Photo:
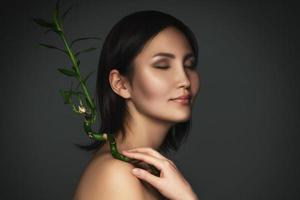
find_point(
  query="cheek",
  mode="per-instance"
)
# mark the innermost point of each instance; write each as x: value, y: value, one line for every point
x: 195, y: 83
x: 151, y: 89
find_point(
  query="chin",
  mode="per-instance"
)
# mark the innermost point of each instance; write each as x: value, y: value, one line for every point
x: 181, y: 117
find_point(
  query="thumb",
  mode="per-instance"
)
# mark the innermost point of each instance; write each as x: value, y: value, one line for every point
x: 145, y: 175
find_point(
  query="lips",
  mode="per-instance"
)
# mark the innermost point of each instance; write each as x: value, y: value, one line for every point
x: 183, y: 97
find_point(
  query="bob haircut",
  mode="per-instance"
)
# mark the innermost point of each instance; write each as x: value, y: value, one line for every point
x: 123, y: 43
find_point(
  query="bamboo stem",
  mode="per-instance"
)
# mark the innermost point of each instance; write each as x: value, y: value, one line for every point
x: 90, y: 116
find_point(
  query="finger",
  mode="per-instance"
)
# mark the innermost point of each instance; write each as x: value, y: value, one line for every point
x: 152, y: 152
x: 145, y: 175
x: 146, y: 158
x: 149, y: 151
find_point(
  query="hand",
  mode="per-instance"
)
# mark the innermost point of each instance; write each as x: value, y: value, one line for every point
x: 171, y: 183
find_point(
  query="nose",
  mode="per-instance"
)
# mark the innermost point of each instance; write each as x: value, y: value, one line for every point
x: 183, y: 78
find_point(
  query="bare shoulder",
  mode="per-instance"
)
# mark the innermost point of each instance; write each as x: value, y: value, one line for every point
x: 108, y: 178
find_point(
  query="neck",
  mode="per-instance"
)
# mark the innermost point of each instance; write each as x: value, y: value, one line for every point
x: 144, y: 132
x: 141, y: 131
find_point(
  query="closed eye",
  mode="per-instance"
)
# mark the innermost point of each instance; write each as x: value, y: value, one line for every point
x: 165, y: 64
x: 162, y: 67
x: 192, y: 66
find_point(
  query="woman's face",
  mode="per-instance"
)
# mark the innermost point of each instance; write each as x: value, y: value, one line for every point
x: 153, y: 88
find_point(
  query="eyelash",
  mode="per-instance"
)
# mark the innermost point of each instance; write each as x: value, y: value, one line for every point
x: 193, y: 66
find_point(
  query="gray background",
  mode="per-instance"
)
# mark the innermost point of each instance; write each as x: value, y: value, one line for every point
x: 244, y: 140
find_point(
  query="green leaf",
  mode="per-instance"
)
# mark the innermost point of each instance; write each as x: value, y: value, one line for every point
x: 59, y: 32
x: 52, y: 47
x: 67, y: 72
x: 66, y: 96
x: 54, y: 30
x: 74, y: 69
x: 88, y: 76
x: 55, y: 18
x: 43, y: 23
x: 76, y: 88
x: 78, y: 93
x: 86, y: 50
x: 85, y: 79
x: 66, y: 12
x: 85, y: 38
x: 89, y: 104
x: 47, y: 31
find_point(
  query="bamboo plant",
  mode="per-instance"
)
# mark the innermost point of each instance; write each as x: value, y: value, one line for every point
x: 85, y: 104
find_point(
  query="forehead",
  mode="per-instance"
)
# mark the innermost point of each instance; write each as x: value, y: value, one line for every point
x: 169, y: 40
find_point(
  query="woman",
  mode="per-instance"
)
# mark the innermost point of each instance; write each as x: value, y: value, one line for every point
x: 147, y: 83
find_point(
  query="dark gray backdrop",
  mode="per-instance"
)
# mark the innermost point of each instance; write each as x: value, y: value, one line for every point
x: 244, y: 141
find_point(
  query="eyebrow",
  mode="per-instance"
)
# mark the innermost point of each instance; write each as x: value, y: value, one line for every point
x: 191, y: 54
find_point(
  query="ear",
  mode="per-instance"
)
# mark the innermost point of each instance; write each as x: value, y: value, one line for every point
x: 118, y: 83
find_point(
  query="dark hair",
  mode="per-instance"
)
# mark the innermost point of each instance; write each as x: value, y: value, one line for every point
x: 123, y: 43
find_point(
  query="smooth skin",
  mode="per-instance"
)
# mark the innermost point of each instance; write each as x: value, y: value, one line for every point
x: 171, y: 183
x: 156, y: 81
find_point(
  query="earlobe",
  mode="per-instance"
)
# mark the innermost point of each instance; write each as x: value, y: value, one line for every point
x: 118, y: 84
